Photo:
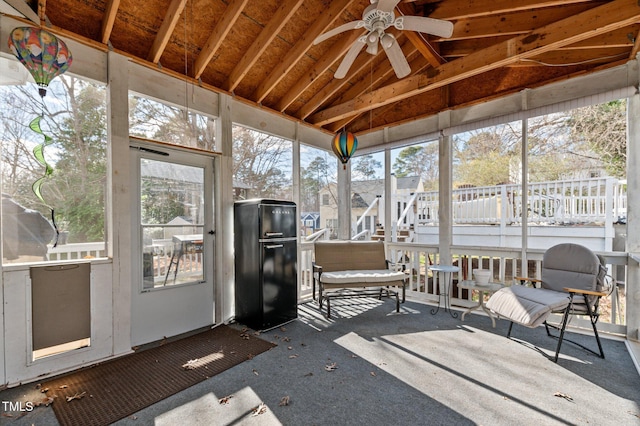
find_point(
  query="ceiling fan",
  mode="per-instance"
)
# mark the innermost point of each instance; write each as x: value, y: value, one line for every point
x: 376, y: 19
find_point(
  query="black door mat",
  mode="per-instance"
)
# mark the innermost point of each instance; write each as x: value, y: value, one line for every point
x: 110, y: 391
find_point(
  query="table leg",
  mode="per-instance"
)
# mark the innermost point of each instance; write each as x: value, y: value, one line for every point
x: 447, y: 297
x: 482, y: 306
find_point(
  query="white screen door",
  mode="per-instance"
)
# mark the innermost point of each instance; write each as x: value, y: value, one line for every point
x: 173, y: 242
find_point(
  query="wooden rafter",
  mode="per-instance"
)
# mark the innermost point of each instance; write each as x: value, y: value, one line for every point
x: 300, y: 48
x: 42, y: 11
x: 520, y: 22
x: 110, y: 13
x: 636, y: 45
x: 590, y: 23
x: 361, y: 63
x: 617, y: 38
x: 426, y: 49
x: 277, y: 22
x: 378, y: 78
x: 469, y: 9
x: 224, y: 25
x: 322, y: 65
x: 166, y: 29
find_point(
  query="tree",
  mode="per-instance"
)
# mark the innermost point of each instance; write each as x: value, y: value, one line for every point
x: 261, y: 161
x: 603, y: 129
x: 176, y: 125
x: 314, y: 177
x: 483, y: 159
x: 74, y: 116
x: 419, y: 160
x: 365, y: 168
x: 81, y: 167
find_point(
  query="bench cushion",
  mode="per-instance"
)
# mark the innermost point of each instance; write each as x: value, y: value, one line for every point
x: 527, y: 305
x: 368, y: 276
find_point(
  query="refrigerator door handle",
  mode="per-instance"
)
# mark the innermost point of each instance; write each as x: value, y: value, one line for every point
x: 274, y: 246
x: 273, y: 234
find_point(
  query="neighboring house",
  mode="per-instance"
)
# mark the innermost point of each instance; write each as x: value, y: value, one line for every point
x: 363, y: 195
x: 310, y: 222
x: 241, y: 191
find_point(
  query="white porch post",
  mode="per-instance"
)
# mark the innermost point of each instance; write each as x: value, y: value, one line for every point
x: 633, y: 216
x: 296, y: 199
x: 119, y: 198
x: 445, y: 212
x: 525, y: 197
x: 224, y: 289
x: 344, y: 201
x: 387, y: 195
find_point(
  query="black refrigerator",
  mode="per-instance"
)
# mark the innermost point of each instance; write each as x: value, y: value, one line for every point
x: 266, y: 251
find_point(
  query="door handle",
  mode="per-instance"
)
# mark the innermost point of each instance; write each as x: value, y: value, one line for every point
x: 274, y: 246
x: 212, y: 232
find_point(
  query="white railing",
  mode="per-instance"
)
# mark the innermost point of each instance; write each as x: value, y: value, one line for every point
x: 505, y: 264
x: 585, y: 201
x: 76, y: 251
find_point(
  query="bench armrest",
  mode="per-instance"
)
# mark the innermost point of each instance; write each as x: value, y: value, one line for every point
x: 316, y: 268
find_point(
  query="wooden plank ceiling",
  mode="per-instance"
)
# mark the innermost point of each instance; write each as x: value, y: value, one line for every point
x: 263, y: 51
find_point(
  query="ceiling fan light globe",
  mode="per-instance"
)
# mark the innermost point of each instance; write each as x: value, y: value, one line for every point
x: 387, y: 40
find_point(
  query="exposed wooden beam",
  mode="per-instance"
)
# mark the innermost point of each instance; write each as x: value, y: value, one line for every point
x: 569, y: 57
x: 520, y: 22
x: 334, y: 86
x: 300, y: 48
x: 380, y: 77
x: 430, y: 53
x: 364, y: 61
x: 42, y: 11
x: 336, y: 52
x: 588, y: 24
x: 280, y: 19
x: 636, y: 45
x: 110, y: 12
x: 453, y: 10
x: 617, y: 38
x: 166, y: 29
x: 222, y: 28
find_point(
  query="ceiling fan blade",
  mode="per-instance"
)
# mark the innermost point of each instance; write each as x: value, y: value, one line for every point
x: 350, y: 57
x: 397, y: 59
x: 387, y: 5
x: 437, y: 27
x: 337, y: 30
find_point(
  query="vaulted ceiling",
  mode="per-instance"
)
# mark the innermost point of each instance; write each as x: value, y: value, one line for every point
x: 263, y: 51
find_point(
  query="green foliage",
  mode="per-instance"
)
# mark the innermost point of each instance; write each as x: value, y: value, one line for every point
x: 262, y: 162
x: 603, y: 129
x: 365, y: 168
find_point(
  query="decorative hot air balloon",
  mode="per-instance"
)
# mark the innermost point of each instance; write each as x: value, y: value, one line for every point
x: 44, y: 55
x: 344, y: 145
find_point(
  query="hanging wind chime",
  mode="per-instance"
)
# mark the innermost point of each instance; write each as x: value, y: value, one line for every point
x: 344, y: 144
x: 45, y: 57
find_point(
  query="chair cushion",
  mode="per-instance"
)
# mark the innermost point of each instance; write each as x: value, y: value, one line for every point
x: 368, y: 276
x: 526, y: 305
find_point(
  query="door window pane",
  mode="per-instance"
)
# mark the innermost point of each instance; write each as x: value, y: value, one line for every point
x: 172, y: 222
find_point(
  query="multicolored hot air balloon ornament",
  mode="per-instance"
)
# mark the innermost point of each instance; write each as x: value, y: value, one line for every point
x: 44, y: 55
x: 344, y: 145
